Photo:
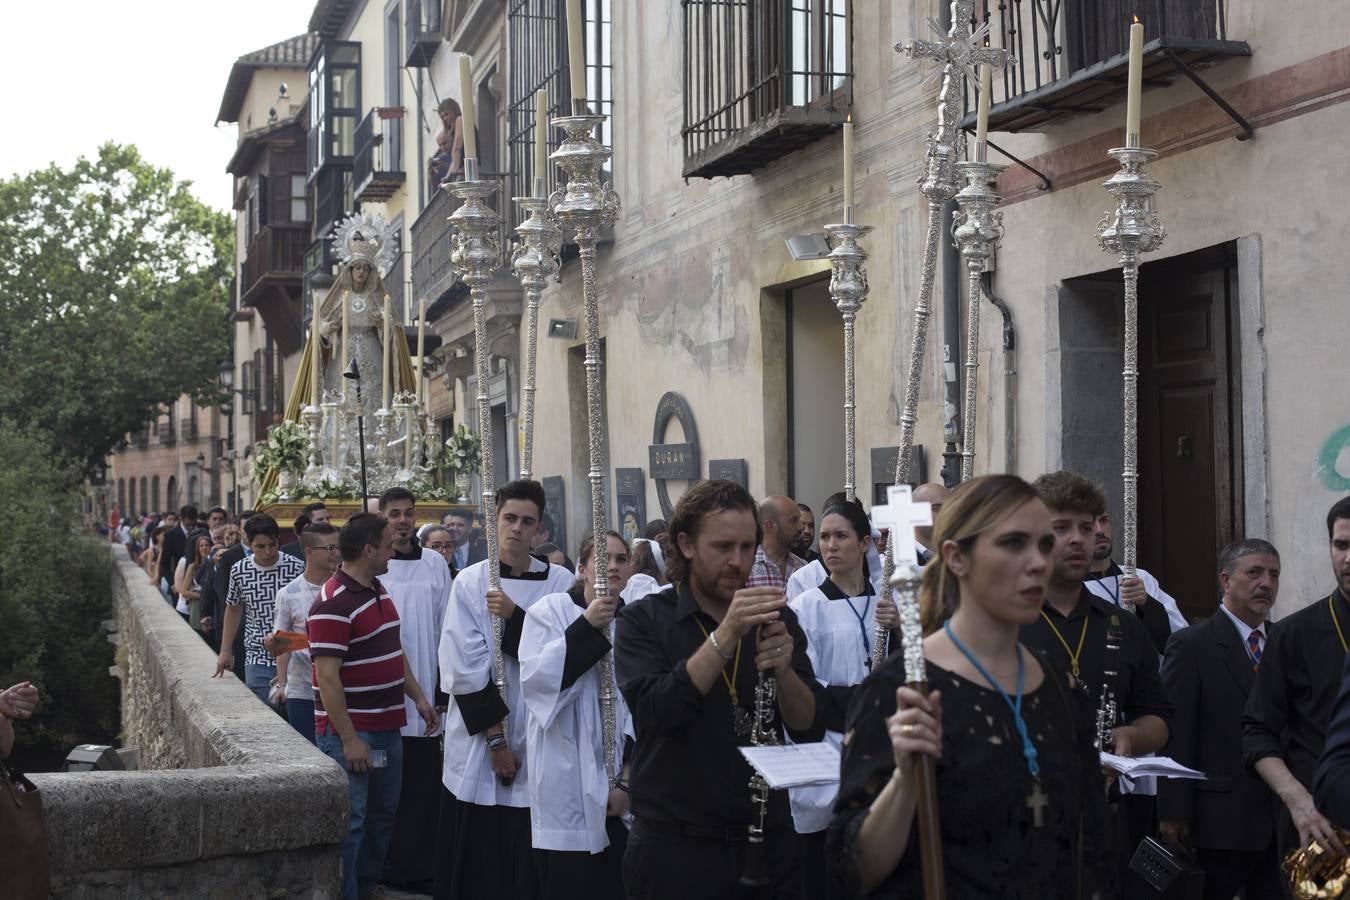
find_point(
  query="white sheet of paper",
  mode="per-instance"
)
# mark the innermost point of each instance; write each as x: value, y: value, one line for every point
x: 793, y: 765
x: 1165, y: 766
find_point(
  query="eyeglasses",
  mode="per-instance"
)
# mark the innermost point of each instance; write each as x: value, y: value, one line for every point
x: 329, y: 547
x: 439, y: 546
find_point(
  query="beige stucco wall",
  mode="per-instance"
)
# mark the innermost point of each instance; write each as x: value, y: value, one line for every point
x: 682, y: 285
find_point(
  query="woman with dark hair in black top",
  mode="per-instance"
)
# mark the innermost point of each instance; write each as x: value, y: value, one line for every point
x: 1020, y: 791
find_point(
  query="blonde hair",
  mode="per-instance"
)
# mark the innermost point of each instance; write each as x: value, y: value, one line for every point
x: 973, y: 508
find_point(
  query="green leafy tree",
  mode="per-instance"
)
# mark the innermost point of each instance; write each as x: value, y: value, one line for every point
x: 115, y: 299
x: 55, y: 588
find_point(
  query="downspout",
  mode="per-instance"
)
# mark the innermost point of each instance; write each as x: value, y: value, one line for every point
x: 1009, y: 376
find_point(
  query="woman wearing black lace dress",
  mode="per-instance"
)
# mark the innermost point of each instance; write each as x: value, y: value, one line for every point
x: 1020, y: 791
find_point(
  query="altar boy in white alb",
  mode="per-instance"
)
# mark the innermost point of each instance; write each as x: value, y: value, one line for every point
x: 418, y: 581
x: 483, y: 844
x: 574, y: 811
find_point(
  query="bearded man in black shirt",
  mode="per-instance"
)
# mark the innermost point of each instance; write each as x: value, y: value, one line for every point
x: 687, y: 660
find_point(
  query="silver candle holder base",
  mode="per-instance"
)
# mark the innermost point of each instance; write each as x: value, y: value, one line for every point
x: 848, y: 290
x: 1130, y: 229
x: 978, y: 231
x: 535, y: 260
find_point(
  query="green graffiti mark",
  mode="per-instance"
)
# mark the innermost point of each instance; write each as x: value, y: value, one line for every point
x: 1327, y: 469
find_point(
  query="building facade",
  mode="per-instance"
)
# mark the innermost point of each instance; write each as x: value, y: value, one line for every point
x: 178, y: 458
x: 723, y: 355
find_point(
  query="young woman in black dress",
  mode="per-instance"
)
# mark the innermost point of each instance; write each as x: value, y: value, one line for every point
x: 1020, y: 790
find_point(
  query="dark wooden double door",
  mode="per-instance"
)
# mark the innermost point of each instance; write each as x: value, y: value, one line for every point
x: 1190, y: 470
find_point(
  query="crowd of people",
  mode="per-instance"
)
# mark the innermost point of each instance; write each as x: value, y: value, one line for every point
x: 406, y: 652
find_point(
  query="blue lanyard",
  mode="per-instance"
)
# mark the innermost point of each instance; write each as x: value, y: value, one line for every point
x: 862, y: 625
x: 1028, y: 748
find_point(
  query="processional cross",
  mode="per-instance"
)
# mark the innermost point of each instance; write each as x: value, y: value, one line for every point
x: 1037, y: 801
x: 902, y: 514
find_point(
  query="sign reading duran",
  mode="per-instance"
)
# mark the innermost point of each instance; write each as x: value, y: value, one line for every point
x: 734, y: 470
x: 555, y: 504
x: 672, y: 462
x: 630, y: 500
x: 883, y: 469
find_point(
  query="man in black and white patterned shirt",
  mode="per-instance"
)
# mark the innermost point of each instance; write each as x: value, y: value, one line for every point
x: 252, y: 593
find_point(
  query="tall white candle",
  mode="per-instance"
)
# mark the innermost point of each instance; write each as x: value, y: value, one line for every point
x: 466, y: 95
x: 314, y: 378
x: 541, y: 134
x: 982, y: 115
x: 1132, y: 99
x: 346, y: 314
x: 576, y: 58
x: 388, y: 348
x: 421, y: 341
x: 848, y: 163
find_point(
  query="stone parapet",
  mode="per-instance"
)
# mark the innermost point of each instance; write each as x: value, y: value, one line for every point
x: 230, y: 801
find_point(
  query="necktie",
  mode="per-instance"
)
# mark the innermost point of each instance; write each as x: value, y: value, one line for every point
x: 1254, y: 647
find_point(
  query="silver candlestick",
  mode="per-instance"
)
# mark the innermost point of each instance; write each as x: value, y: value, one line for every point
x: 586, y: 205
x: 312, y: 418
x: 476, y: 255
x: 978, y: 231
x: 1130, y: 229
x: 848, y: 290
x: 534, y: 261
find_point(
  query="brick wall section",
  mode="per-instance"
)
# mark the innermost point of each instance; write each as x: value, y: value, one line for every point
x: 229, y: 802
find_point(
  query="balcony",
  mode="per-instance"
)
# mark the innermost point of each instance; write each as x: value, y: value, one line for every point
x: 166, y: 433
x: 187, y: 431
x: 377, y: 168
x: 423, y: 32
x: 1073, y: 58
x: 271, y: 277
x: 432, y: 275
x: 762, y: 79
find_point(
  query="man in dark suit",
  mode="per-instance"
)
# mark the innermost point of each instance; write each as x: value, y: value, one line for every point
x: 175, y: 543
x: 1209, y: 668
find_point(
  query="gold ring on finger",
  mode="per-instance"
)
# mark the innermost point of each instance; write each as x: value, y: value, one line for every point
x: 907, y: 729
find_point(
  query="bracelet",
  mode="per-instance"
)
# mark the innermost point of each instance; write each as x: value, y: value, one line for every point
x: 622, y: 784
x: 712, y: 639
x: 496, y: 741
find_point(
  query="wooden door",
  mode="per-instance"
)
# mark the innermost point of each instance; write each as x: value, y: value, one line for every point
x: 1189, y: 454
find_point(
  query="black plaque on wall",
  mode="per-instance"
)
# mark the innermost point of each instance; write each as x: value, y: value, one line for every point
x: 555, y: 504
x: 630, y: 503
x: 729, y: 470
x: 883, y: 469
x: 672, y: 462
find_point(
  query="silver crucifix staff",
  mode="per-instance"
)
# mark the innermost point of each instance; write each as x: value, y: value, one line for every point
x: 534, y: 260
x: 959, y: 51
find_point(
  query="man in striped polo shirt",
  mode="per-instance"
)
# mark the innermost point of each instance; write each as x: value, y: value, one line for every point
x: 362, y: 676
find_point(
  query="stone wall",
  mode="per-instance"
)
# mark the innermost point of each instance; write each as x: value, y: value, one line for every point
x: 230, y: 801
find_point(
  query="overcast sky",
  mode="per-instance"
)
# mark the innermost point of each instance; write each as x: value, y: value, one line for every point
x: 77, y: 73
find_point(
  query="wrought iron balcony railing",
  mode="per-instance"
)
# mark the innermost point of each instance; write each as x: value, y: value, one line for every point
x: 422, y: 28
x: 377, y: 168
x: 762, y: 78
x: 1071, y: 56
x: 432, y: 274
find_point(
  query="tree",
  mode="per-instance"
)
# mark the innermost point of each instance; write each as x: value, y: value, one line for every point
x: 116, y: 303
x: 55, y: 588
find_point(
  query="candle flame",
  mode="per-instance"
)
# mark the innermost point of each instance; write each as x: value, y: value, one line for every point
x: 1136, y: 20
x: 849, y: 119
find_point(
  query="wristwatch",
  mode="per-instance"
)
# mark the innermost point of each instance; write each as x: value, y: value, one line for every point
x: 712, y: 639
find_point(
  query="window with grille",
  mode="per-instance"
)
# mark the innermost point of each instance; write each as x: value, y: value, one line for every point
x: 537, y: 36
x: 762, y: 79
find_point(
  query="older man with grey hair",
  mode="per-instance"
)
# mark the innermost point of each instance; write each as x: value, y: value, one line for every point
x: 1209, y: 669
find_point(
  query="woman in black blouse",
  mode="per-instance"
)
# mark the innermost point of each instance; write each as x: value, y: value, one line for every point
x: 1020, y: 790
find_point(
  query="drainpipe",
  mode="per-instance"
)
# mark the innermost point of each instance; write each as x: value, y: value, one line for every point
x: 1009, y: 375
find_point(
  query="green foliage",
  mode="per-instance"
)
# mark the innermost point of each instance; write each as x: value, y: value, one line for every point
x: 463, y: 451
x: 114, y: 299
x: 286, y: 447
x: 55, y: 589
